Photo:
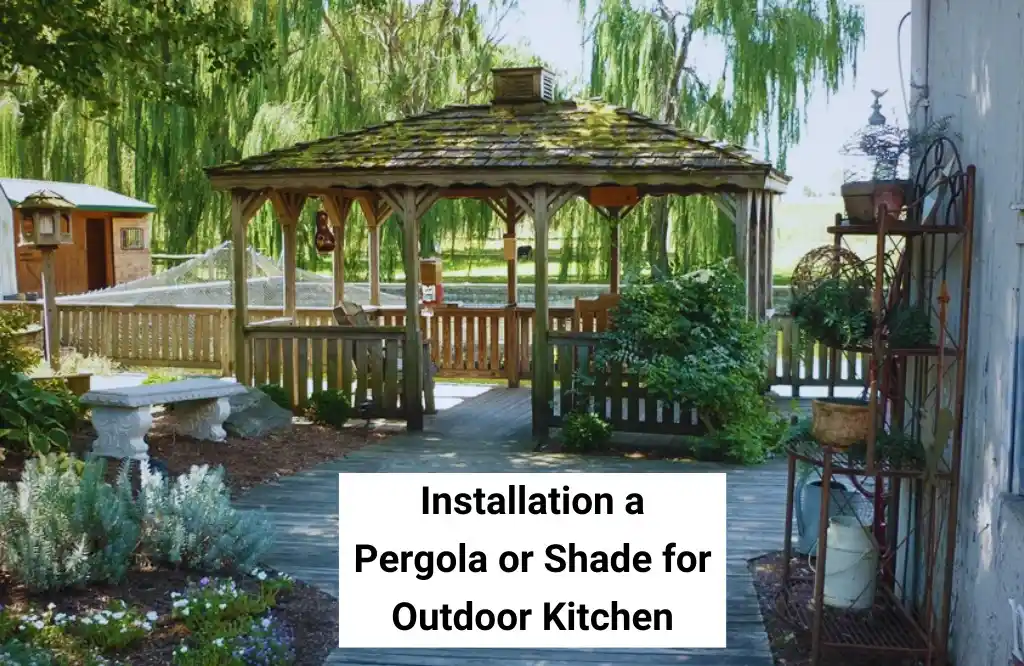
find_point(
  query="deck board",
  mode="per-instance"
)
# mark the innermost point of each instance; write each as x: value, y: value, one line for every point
x: 490, y: 432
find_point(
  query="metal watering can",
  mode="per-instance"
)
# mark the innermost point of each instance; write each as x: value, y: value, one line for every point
x: 807, y: 499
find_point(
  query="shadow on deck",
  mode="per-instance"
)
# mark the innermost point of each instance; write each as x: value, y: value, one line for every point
x: 487, y: 429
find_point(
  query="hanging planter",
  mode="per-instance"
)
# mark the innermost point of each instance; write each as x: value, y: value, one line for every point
x: 840, y: 422
x: 324, y: 240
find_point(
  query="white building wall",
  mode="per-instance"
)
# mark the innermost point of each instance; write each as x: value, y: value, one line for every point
x: 8, y: 260
x: 976, y: 75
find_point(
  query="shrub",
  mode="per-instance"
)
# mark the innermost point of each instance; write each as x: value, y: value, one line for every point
x: 278, y: 395
x: 190, y: 522
x: 63, y: 528
x: 690, y: 340
x: 36, y: 418
x: 16, y: 653
x: 330, y: 407
x: 15, y: 356
x: 584, y: 432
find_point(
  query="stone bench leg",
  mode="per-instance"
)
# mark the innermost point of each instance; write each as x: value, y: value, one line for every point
x: 201, y: 419
x: 121, y: 432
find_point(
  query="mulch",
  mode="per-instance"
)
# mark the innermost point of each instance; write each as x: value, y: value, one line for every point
x: 311, y: 613
x: 791, y: 646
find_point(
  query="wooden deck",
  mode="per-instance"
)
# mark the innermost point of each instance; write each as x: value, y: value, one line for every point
x: 490, y: 432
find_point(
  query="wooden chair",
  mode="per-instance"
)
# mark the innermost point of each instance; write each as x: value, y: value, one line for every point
x: 593, y: 315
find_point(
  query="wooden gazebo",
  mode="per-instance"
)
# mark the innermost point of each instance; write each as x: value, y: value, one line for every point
x: 523, y: 154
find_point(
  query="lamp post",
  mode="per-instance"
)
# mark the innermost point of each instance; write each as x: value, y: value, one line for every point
x: 46, y: 224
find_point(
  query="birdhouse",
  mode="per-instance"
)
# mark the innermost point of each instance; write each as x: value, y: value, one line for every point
x: 46, y: 219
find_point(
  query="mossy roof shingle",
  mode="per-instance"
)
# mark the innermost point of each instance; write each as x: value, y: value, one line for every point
x: 578, y: 136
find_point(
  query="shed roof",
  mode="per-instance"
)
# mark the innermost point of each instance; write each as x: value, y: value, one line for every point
x: 84, y: 197
x: 585, y: 142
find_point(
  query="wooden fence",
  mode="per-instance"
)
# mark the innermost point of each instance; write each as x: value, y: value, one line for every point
x: 616, y: 396
x: 464, y: 342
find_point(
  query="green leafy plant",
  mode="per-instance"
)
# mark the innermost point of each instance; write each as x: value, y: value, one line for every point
x: 16, y: 653
x: 36, y: 418
x: 161, y: 378
x: 277, y: 394
x: 585, y: 432
x: 113, y: 628
x: 835, y: 312
x: 189, y: 522
x: 330, y: 407
x: 15, y: 355
x: 910, y: 327
x: 689, y: 339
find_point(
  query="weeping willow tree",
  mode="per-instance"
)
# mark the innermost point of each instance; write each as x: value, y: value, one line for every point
x: 777, y: 53
x: 334, y: 66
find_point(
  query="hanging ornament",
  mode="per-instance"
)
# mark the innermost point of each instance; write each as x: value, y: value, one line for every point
x: 324, y: 234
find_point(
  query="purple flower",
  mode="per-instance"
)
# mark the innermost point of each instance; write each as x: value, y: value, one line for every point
x: 204, y: 581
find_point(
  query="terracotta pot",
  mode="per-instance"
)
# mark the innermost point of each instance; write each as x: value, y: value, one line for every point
x: 862, y: 198
x: 840, y: 423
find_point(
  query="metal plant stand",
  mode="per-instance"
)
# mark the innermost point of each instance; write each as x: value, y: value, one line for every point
x: 908, y: 470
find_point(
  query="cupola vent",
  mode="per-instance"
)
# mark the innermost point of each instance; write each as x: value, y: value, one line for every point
x: 523, y: 85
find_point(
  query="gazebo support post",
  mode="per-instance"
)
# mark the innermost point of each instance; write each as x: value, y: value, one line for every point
x: 410, y: 205
x: 376, y: 213
x: 614, y: 215
x: 337, y: 207
x: 541, y: 202
x: 288, y: 206
x: 510, y: 213
x: 244, y: 206
x: 769, y: 249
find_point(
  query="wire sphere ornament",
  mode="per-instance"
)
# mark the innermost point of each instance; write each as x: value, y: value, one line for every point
x: 827, y: 263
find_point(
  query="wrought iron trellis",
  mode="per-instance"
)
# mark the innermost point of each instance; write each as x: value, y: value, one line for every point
x: 922, y: 259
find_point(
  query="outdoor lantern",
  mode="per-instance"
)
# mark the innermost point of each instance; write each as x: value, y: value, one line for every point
x: 46, y: 219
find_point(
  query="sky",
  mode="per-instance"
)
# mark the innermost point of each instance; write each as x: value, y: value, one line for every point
x: 551, y: 30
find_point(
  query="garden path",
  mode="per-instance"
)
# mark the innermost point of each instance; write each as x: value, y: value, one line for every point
x: 484, y: 429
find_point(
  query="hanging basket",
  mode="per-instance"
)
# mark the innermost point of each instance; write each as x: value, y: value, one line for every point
x: 840, y: 423
x: 324, y: 240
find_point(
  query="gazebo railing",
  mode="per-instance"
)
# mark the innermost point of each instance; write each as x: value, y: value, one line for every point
x: 365, y: 362
x: 617, y: 395
x: 463, y: 341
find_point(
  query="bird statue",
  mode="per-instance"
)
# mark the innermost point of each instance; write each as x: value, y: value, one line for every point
x: 876, y: 107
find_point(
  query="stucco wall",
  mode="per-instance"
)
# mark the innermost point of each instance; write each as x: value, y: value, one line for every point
x: 976, y: 75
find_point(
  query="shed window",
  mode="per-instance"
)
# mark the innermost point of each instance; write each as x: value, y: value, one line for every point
x: 132, y: 238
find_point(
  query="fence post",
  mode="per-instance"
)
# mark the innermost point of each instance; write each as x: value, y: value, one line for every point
x: 512, y: 345
x: 226, y: 345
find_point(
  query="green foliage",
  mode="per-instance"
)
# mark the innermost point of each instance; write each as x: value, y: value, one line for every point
x: 15, y: 356
x: 329, y: 407
x: 113, y: 628
x: 36, y: 418
x: 278, y: 395
x: 835, y: 312
x: 910, y: 326
x: 75, y: 49
x: 160, y: 377
x: 62, y: 525
x: 16, y: 653
x: 189, y: 522
x: 898, y: 450
x: 61, y: 529
x: 689, y: 339
x: 585, y: 432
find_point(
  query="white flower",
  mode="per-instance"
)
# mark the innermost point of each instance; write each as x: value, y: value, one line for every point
x: 175, y: 595
x: 151, y: 616
x: 180, y: 603
x: 118, y: 616
x: 219, y: 642
x: 124, y: 630
x: 147, y: 626
x: 261, y: 576
x: 86, y: 620
x: 100, y: 619
x: 184, y: 649
x: 38, y: 624
x: 51, y: 606
x: 223, y: 606
x: 265, y: 622
x: 185, y: 612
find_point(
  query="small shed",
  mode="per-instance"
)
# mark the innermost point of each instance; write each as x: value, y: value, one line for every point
x: 110, y: 232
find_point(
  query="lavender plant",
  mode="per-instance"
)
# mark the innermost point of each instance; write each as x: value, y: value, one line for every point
x: 190, y: 522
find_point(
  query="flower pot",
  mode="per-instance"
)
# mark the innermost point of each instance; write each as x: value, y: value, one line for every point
x: 840, y: 423
x: 863, y: 198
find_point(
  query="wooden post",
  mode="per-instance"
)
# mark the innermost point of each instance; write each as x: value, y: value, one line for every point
x: 225, y: 342
x: 376, y: 213
x: 764, y: 283
x: 337, y: 207
x: 51, y: 323
x: 613, y: 260
x: 541, y: 202
x: 769, y: 251
x: 244, y: 205
x: 512, y: 215
x: 288, y: 206
x: 410, y: 205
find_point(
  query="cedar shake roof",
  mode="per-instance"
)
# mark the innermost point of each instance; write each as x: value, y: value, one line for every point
x: 596, y: 141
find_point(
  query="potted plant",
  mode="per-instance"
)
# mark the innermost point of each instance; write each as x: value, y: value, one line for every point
x: 836, y: 312
x: 888, y: 147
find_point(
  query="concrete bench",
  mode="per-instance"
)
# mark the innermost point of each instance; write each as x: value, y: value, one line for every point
x: 123, y: 416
